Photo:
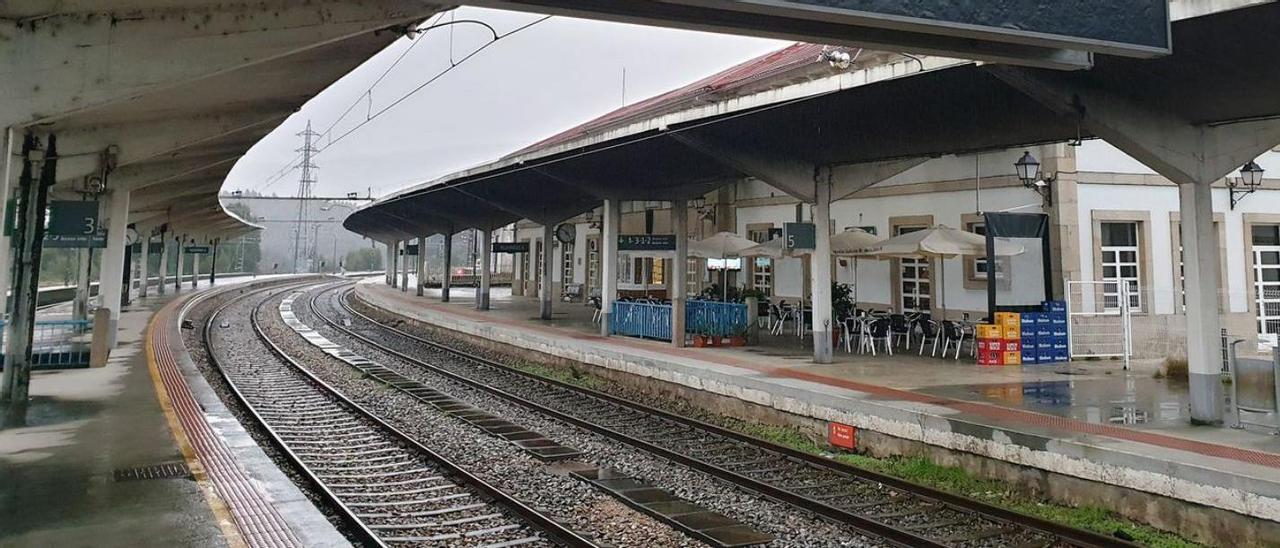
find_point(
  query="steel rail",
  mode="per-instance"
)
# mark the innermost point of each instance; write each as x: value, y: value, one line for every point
x: 557, y: 532
x: 1063, y: 533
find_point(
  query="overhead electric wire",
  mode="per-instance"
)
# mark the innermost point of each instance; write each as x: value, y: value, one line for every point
x: 292, y: 165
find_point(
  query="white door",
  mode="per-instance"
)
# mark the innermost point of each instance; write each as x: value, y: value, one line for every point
x: 1266, y: 291
x: 915, y: 279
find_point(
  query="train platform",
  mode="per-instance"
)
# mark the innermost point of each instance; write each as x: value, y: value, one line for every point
x: 141, y: 452
x: 1088, y: 420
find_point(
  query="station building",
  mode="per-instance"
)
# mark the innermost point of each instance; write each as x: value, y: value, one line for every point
x: 1112, y: 221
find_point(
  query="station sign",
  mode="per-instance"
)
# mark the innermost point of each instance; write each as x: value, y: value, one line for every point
x: 510, y: 247
x: 196, y: 249
x: 799, y: 236
x: 73, y: 218
x: 409, y: 249
x: 647, y: 242
x: 842, y: 435
x: 92, y: 241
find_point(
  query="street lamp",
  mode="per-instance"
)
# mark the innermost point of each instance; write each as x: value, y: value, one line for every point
x: 1028, y: 169
x: 1250, y: 180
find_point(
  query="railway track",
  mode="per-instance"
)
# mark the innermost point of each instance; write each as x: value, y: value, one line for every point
x: 390, y: 489
x: 881, y: 506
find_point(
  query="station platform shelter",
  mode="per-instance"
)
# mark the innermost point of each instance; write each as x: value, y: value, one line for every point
x: 100, y: 463
x: 1055, y: 424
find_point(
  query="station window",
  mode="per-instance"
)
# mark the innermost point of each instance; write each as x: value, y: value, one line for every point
x: 1266, y: 280
x: 566, y: 267
x: 1120, y: 264
x: 915, y: 279
x: 761, y: 267
x: 978, y: 271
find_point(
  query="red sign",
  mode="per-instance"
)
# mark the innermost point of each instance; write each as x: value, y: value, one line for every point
x: 842, y: 435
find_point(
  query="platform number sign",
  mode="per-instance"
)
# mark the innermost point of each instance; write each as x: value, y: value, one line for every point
x: 73, y: 218
x: 799, y: 236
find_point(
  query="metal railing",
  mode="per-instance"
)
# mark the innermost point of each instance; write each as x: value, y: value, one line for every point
x: 715, y: 318
x: 56, y: 344
x: 650, y: 321
x: 1255, y: 387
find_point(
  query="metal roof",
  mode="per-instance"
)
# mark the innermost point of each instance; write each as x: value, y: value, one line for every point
x: 867, y: 115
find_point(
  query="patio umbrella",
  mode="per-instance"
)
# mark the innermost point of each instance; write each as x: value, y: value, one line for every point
x: 773, y: 249
x: 845, y: 243
x: 720, y: 246
x: 938, y: 242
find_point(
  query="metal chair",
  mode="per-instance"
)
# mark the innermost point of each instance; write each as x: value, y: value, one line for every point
x: 929, y: 331
x: 952, y: 332
x: 900, y: 328
x: 877, y: 330
x: 599, y: 310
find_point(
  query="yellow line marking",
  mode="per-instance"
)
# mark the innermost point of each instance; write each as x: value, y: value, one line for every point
x: 221, y: 512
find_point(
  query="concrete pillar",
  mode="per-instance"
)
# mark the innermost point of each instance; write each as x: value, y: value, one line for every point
x: 177, y: 279
x: 1201, y: 260
x: 80, y: 305
x: 390, y: 264
x: 393, y: 254
x: 195, y: 267
x: 164, y: 264
x: 486, y: 268
x: 7, y: 184
x: 422, y: 265
x: 446, y: 281
x: 612, y: 224
x: 679, y: 270
x: 144, y: 261
x: 126, y: 288
x: 820, y: 273
x: 548, y: 266
x: 213, y: 261
x: 16, y: 379
x: 404, y: 266
x: 112, y: 276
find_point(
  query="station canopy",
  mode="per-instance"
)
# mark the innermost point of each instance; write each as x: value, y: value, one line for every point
x: 642, y: 151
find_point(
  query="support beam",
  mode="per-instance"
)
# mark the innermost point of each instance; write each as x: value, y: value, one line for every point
x: 164, y: 263
x: 16, y: 379
x: 144, y: 261
x: 404, y: 266
x: 393, y: 251
x: 213, y: 261
x: 679, y: 270
x: 847, y: 180
x: 1201, y: 262
x: 111, y: 278
x: 177, y: 280
x: 195, y: 267
x: 486, y: 269
x: 7, y: 185
x: 446, y: 281
x: 1192, y: 155
x: 126, y: 288
x: 546, y: 288
x: 789, y: 175
x: 612, y: 225
x: 820, y: 273
x: 80, y: 304
x: 422, y: 265
x: 390, y: 266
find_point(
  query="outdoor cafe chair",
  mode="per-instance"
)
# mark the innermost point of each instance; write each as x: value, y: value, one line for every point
x: 930, y: 330
x: 598, y: 312
x: 900, y: 328
x: 877, y: 331
x: 952, y: 332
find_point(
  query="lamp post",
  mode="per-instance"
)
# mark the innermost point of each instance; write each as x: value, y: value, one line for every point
x: 1028, y: 169
x: 1250, y: 180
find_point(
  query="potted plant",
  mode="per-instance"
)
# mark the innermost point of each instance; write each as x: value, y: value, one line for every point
x: 739, y: 337
x: 841, y: 307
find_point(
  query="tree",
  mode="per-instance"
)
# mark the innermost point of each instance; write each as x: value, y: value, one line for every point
x: 363, y: 259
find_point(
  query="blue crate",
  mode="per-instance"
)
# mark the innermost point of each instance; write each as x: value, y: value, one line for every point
x: 1058, y: 318
x: 1061, y: 355
x: 1030, y: 355
x: 1044, y: 345
x: 1043, y: 332
x: 1044, y: 318
x: 1028, y: 331
x: 1055, y: 306
x: 1058, y: 332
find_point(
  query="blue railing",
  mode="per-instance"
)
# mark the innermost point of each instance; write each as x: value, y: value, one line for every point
x: 653, y: 321
x: 56, y: 344
x: 715, y: 318
x: 650, y: 321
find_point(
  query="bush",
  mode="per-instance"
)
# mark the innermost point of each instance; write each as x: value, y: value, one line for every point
x: 1174, y: 368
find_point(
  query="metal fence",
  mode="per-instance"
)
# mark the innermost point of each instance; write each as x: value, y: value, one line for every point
x: 715, y: 318
x: 1099, y: 319
x: 653, y: 320
x: 650, y: 321
x: 56, y: 344
x: 1255, y: 388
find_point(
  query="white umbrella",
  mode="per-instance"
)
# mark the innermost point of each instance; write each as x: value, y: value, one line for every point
x: 719, y: 246
x: 845, y: 243
x: 938, y: 242
x: 773, y: 249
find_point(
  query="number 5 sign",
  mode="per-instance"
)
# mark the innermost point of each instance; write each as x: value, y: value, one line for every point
x: 73, y: 218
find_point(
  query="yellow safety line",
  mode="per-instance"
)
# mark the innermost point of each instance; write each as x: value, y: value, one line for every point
x: 221, y: 512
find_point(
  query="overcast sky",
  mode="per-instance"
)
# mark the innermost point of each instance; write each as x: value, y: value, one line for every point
x: 523, y: 88
x: 545, y: 79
